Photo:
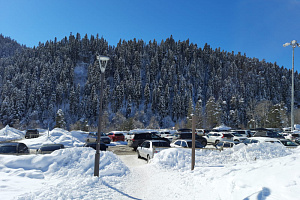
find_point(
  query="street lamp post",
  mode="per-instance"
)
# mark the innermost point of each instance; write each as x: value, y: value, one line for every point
x: 294, y: 44
x: 102, y: 63
x: 193, y: 141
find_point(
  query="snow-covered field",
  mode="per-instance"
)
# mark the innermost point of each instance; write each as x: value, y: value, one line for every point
x: 257, y: 171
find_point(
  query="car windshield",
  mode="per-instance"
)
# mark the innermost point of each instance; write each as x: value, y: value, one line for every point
x: 197, y: 144
x: 118, y: 134
x: 154, y: 136
x: 8, y: 149
x: 237, y: 134
x: 186, y: 135
x: 228, y: 135
x: 161, y: 144
x: 273, y: 134
x: 289, y: 143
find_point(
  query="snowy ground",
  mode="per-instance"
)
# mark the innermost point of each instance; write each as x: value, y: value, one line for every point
x: 257, y: 171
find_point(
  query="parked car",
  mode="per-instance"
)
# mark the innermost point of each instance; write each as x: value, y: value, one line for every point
x: 92, y: 137
x: 202, y: 132
x: 244, y: 133
x: 187, y: 143
x: 226, y: 144
x: 32, y: 133
x: 189, y: 135
x: 216, y: 137
x: 238, y: 137
x: 151, y: 147
x: 103, y: 146
x: 139, y: 137
x: 262, y: 132
x: 292, y: 136
x: 49, y: 148
x: 16, y: 148
x: 165, y: 133
x: 130, y: 134
x: 261, y: 139
x: 116, y: 136
x: 289, y: 143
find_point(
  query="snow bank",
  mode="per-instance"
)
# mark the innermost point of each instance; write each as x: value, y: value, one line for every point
x: 180, y: 159
x: 222, y: 128
x: 9, y: 133
x: 58, y: 136
x: 70, y: 169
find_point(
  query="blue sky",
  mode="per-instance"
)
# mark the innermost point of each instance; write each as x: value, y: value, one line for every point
x: 258, y: 28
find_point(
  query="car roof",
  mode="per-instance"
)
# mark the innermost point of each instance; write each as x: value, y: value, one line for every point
x: 118, y: 131
x: 10, y: 143
x: 154, y: 141
x: 187, y: 140
x: 44, y: 145
x: 264, y: 139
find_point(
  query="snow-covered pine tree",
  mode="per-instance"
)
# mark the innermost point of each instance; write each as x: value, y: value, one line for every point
x: 60, y: 119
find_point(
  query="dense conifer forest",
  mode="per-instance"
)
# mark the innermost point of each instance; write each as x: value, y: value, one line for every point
x: 153, y: 84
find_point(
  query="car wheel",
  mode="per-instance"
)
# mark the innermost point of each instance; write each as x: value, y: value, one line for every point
x: 138, y: 153
x: 148, y: 158
x: 217, y: 141
x: 204, y: 142
x: 236, y: 140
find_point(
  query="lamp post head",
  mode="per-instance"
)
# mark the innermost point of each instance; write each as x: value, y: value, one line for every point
x: 293, y: 43
x: 104, y: 60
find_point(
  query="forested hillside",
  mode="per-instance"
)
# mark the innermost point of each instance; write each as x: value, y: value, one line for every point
x: 8, y: 47
x: 147, y: 84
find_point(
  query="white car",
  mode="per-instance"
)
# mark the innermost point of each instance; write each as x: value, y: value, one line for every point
x: 216, y: 137
x: 244, y: 133
x: 165, y: 133
x: 238, y: 137
x: 186, y: 144
x: 291, y: 136
x: 151, y: 147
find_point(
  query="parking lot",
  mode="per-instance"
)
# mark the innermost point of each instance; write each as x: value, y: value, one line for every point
x: 121, y: 150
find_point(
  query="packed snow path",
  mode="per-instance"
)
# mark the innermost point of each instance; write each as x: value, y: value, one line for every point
x: 147, y: 182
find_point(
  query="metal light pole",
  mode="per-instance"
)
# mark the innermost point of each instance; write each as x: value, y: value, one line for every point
x: 193, y: 140
x: 294, y: 44
x: 102, y: 63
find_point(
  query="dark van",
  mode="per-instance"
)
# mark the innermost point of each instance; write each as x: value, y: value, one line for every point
x: 32, y: 133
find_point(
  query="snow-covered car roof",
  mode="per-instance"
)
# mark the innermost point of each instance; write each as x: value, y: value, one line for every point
x: 265, y: 139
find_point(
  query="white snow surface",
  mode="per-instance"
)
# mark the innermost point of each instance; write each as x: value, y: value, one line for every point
x: 258, y: 171
x: 57, y: 136
x: 8, y: 134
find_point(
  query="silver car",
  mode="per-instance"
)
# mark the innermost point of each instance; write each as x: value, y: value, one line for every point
x: 92, y: 137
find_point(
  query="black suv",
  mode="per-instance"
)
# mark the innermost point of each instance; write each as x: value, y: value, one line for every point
x: 139, y: 137
x: 262, y: 132
x: 32, y: 133
x: 187, y: 134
